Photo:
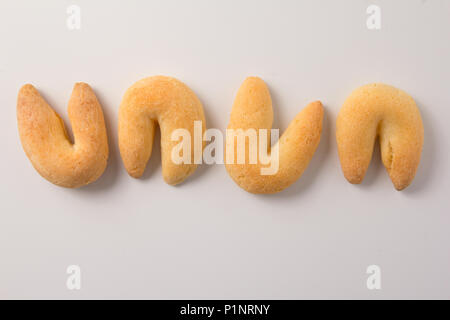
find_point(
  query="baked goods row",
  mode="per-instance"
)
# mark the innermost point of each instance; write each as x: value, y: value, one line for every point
x: 253, y: 158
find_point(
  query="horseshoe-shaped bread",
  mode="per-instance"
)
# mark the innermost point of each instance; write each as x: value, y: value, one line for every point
x: 171, y: 104
x: 380, y: 110
x: 252, y: 109
x: 45, y: 141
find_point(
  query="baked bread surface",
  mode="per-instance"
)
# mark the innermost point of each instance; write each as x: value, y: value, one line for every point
x: 252, y: 109
x: 151, y: 101
x: 379, y: 110
x: 47, y: 145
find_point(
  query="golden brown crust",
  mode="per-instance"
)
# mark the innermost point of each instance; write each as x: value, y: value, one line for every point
x: 380, y: 110
x: 45, y: 141
x: 252, y: 108
x: 171, y: 104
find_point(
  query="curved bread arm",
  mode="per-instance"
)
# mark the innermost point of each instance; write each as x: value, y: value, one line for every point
x: 47, y: 145
x: 379, y: 110
x: 164, y: 101
x: 252, y: 109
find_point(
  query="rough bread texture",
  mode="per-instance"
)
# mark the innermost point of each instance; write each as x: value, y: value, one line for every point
x: 380, y: 110
x: 252, y: 108
x: 45, y: 141
x: 157, y: 100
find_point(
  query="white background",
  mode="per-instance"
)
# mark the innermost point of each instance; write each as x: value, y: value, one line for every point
x: 207, y: 238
